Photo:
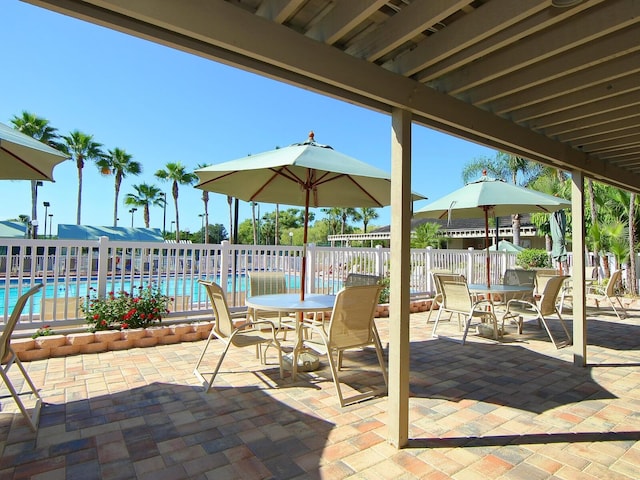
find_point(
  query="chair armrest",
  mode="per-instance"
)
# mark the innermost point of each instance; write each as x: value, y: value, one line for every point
x: 521, y: 303
x: 250, y: 325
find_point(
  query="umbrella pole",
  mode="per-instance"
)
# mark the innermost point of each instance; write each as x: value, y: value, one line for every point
x: 486, y: 239
x: 303, y: 267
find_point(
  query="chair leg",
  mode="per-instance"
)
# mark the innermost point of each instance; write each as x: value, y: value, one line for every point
x: 466, y: 329
x: 624, y: 312
x: 334, y: 374
x: 34, y: 418
x: 435, y: 325
x: 380, y: 354
x: 196, y: 371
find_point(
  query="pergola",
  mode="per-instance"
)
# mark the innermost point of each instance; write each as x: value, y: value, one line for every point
x: 554, y: 81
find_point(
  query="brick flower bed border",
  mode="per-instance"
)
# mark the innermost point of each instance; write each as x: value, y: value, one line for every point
x: 48, y: 346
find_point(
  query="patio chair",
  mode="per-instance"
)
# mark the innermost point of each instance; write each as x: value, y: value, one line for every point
x: 251, y: 333
x: 269, y: 283
x: 542, y: 309
x: 516, y: 276
x: 609, y: 293
x: 8, y: 357
x: 457, y: 299
x: 438, y: 277
x: 351, y: 326
x: 566, y: 293
x: 354, y: 279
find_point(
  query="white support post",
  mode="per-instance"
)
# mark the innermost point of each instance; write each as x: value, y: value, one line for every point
x: 103, y: 265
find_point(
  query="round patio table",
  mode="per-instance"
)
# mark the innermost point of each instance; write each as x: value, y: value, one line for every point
x: 291, y: 302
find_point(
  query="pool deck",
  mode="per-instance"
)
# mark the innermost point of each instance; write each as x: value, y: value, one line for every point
x: 514, y: 409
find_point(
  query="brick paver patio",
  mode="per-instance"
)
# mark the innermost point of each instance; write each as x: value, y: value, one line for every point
x: 517, y: 409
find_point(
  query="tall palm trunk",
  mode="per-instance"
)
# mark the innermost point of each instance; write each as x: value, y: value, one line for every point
x: 277, y: 233
x: 115, y: 201
x: 34, y: 208
x: 205, y: 200
x: 594, y: 220
x: 515, y: 227
x: 80, y: 165
x: 146, y: 215
x: 175, y: 202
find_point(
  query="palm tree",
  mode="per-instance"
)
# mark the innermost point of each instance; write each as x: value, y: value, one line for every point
x: 36, y: 127
x: 427, y: 235
x: 367, y: 214
x: 82, y: 147
x: 333, y: 219
x: 119, y: 164
x: 145, y: 196
x: 205, y: 200
x: 177, y: 174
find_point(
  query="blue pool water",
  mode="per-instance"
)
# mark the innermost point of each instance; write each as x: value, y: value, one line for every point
x: 172, y: 288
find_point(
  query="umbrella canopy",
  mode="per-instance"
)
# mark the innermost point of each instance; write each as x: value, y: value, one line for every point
x: 477, y: 199
x: 558, y: 224
x: 24, y: 158
x: 506, y: 246
x: 305, y: 174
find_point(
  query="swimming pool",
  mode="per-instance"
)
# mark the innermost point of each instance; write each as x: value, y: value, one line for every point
x: 57, y: 288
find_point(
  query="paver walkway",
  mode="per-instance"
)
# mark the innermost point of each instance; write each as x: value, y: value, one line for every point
x: 517, y: 409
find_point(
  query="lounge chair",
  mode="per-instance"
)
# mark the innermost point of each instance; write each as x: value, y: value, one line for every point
x: 609, y: 293
x: 8, y: 357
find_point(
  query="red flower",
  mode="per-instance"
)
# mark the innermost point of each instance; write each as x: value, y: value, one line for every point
x: 96, y: 316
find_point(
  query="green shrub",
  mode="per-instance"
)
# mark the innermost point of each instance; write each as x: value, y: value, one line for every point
x: 533, y: 258
x: 384, y: 293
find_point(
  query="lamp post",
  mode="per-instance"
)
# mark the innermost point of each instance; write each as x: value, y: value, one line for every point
x: 34, y: 229
x: 201, y: 215
x: 164, y: 213
x: 291, y: 238
x: 173, y: 222
x: 46, y: 207
x: 50, y: 224
x: 132, y: 211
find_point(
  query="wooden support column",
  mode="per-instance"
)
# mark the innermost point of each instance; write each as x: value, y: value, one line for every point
x: 578, y: 272
x: 400, y: 276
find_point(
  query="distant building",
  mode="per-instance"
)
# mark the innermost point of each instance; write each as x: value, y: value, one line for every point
x: 123, y: 234
x: 461, y: 233
x: 12, y: 229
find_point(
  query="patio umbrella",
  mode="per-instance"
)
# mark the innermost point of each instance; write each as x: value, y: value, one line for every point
x: 506, y: 246
x: 25, y: 158
x: 558, y: 224
x: 477, y: 199
x: 305, y: 174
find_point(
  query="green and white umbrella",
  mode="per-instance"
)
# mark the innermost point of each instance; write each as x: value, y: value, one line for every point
x: 305, y: 174
x: 490, y: 196
x: 506, y: 246
x: 25, y: 158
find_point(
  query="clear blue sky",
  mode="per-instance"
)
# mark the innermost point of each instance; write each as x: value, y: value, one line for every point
x: 163, y: 105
